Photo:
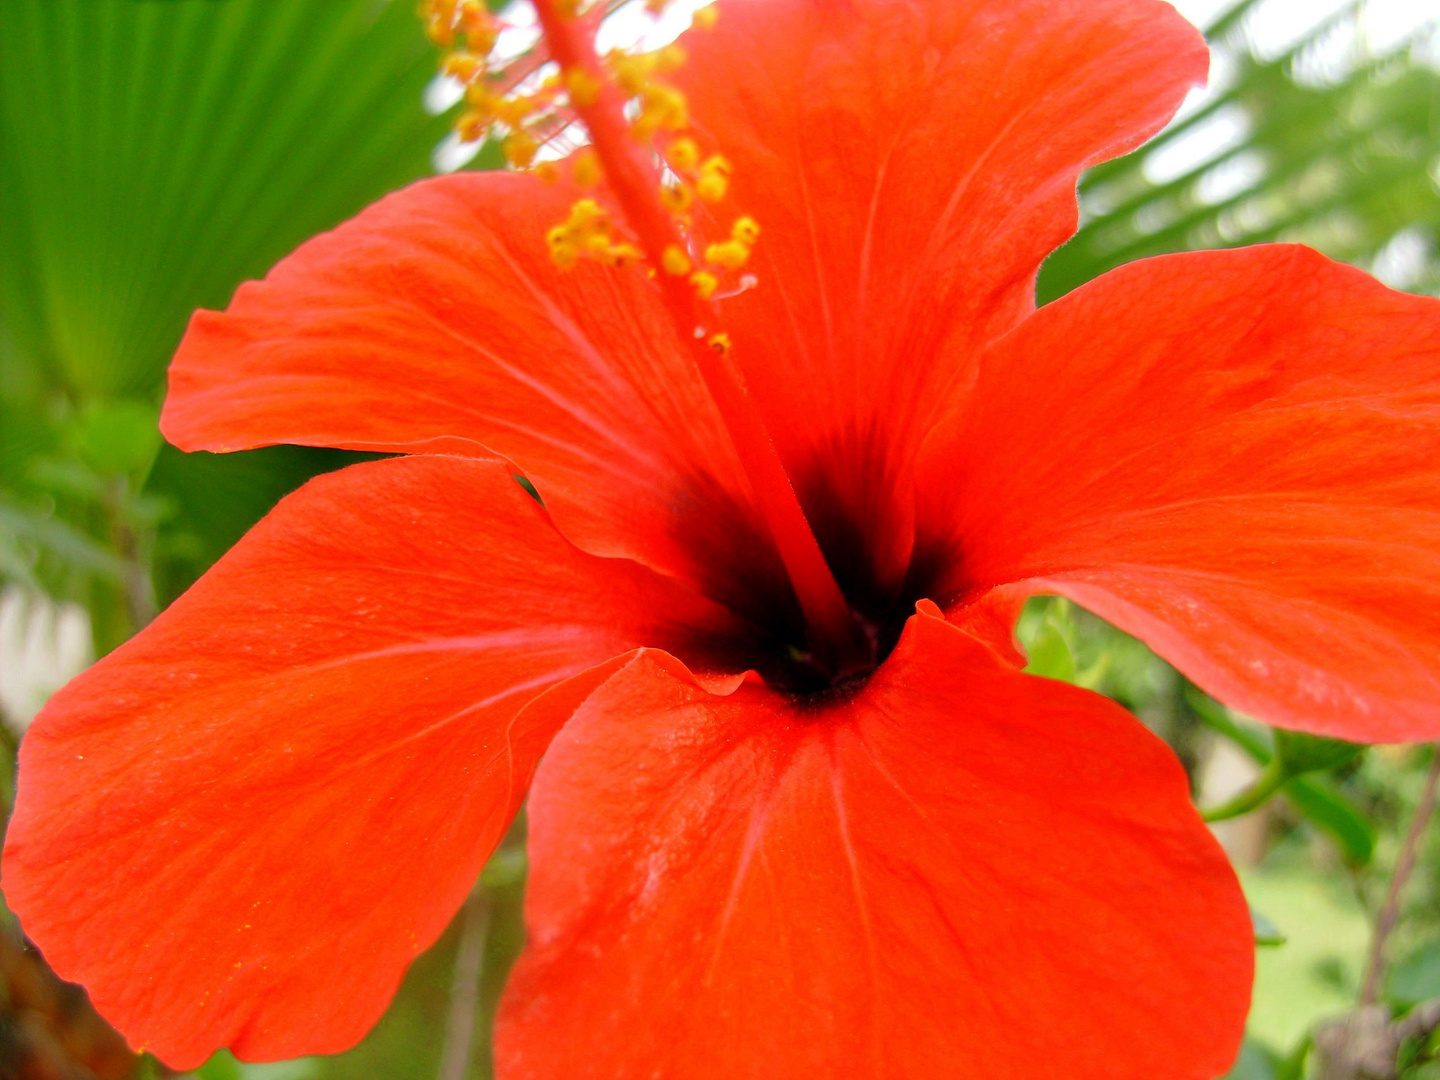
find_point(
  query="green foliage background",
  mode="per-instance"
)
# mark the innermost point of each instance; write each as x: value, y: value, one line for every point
x: 155, y: 153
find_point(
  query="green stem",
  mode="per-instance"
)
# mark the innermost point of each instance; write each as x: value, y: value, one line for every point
x: 1257, y: 794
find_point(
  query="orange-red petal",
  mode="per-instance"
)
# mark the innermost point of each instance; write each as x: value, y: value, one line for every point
x: 1234, y: 456
x: 239, y: 828
x: 436, y: 321
x: 958, y: 870
x: 910, y: 165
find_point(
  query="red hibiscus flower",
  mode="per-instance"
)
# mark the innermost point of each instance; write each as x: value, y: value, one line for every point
x: 794, y: 809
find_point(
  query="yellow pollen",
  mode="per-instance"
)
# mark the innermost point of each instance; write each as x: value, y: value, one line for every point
x: 746, y: 230
x: 480, y: 99
x: 587, y: 214
x: 670, y: 58
x: 683, y: 155
x: 732, y: 254
x: 675, y: 261
x: 462, y: 66
x: 705, y: 283
x: 439, y: 16
x: 583, y: 88
x: 586, y: 168
x: 711, y: 188
x: 471, y: 127
x: 513, y: 111
x: 676, y: 197
x: 547, y: 172
x: 520, y: 148
x: 631, y: 72
x: 565, y: 256
x: 662, y: 108
x: 706, y: 17
x: 721, y: 344
x: 626, y: 254
x: 714, y: 180
x: 481, y: 28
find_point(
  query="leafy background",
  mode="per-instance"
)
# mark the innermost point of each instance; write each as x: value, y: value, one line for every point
x: 154, y: 153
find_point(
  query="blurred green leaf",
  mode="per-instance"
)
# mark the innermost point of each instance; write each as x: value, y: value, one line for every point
x: 1416, y: 978
x: 1049, y: 653
x: 1301, y: 753
x: 217, y: 497
x: 1330, y: 811
x: 1312, y: 796
x: 118, y: 437
x: 1337, y: 155
x: 154, y: 154
x: 1256, y: 1062
x: 1266, y: 932
x: 222, y: 1066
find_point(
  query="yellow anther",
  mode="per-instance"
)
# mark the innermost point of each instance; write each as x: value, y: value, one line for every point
x: 675, y: 261
x: 439, y: 16
x: 513, y: 111
x: 630, y: 70
x: 564, y: 255
x: 585, y: 168
x: 711, y: 187
x: 547, y: 171
x: 482, y: 40
x: 583, y: 88
x: 626, y: 254
x: 520, y: 148
x: 705, y: 283
x: 746, y: 230
x: 597, y: 245
x: 721, y: 344
x: 683, y: 155
x: 471, y: 126
x: 662, y: 108
x: 480, y: 27
x: 479, y: 98
x: 587, y: 214
x: 714, y: 179
x: 676, y: 197
x: 706, y: 17
x: 670, y: 58
x: 732, y: 254
x: 567, y: 8
x: 462, y: 65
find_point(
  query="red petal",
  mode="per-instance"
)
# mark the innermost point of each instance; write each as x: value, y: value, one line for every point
x: 1233, y: 455
x: 911, y: 165
x: 961, y: 867
x: 436, y: 321
x: 296, y: 773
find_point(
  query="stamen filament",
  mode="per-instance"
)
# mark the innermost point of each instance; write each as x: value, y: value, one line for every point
x: 838, y: 641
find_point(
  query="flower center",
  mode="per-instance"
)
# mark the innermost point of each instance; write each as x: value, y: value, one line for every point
x: 772, y: 638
